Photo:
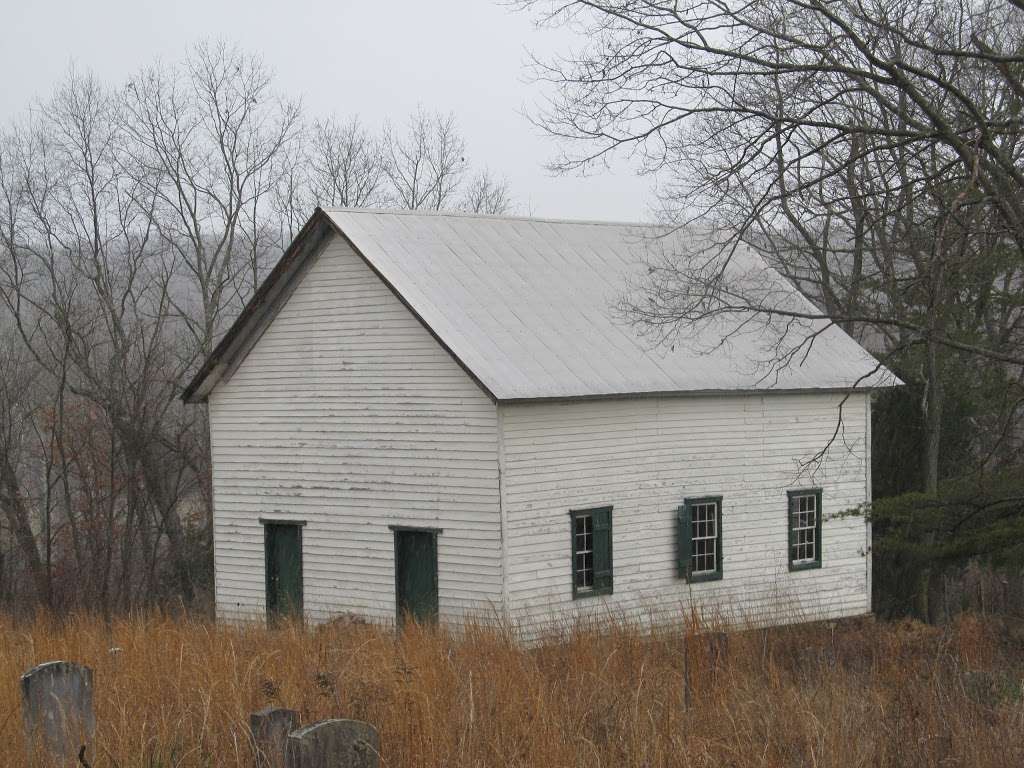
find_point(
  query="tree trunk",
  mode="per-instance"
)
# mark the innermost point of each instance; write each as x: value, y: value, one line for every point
x: 17, y: 515
x: 170, y: 522
x: 933, y: 402
x: 932, y: 406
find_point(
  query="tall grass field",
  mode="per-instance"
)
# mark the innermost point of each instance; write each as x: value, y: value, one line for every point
x: 178, y: 692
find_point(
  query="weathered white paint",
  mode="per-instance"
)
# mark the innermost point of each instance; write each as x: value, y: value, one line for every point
x: 348, y: 415
x: 644, y: 456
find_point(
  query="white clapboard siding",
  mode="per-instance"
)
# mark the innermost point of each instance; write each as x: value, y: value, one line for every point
x: 644, y: 456
x: 349, y: 416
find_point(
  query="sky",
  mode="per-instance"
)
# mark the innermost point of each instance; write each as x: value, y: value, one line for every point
x: 374, y: 59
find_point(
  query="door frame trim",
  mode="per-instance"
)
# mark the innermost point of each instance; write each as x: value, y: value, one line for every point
x: 299, y: 525
x: 281, y: 521
x: 435, y: 532
x: 421, y: 528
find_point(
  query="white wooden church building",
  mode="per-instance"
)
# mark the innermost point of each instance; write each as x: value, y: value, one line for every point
x: 444, y: 415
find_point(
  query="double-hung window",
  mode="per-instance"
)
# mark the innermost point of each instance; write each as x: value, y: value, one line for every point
x: 591, y: 551
x: 805, y: 529
x: 700, y: 539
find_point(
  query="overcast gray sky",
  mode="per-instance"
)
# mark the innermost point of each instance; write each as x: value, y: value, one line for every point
x: 378, y: 60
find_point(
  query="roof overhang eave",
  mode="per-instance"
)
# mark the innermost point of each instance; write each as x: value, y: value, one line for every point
x: 866, y: 389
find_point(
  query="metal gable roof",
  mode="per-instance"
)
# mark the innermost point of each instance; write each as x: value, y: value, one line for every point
x: 527, y: 306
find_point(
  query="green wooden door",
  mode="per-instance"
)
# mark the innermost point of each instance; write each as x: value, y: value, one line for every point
x: 416, y: 575
x: 283, y: 543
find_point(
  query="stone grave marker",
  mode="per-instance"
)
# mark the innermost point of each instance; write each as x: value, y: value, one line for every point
x: 334, y: 744
x: 56, y: 702
x: 270, y: 728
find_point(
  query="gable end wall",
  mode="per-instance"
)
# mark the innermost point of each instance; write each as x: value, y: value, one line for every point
x: 349, y: 416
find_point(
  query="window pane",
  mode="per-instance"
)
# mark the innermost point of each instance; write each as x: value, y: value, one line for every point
x: 583, y: 564
x: 804, y: 528
x: 704, y: 533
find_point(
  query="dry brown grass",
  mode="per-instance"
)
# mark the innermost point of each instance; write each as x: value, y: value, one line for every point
x: 859, y: 693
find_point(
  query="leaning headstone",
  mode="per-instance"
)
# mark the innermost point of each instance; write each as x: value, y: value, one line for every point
x: 56, y: 701
x: 334, y: 744
x: 270, y: 728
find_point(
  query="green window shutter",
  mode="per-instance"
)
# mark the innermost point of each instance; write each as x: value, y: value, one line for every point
x: 603, y: 550
x: 684, y: 530
x: 817, y: 528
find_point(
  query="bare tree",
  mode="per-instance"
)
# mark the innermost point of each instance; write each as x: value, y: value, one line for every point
x: 17, y: 375
x: 291, y: 200
x: 345, y: 165
x: 330, y: 164
x: 425, y: 162
x: 87, y: 287
x: 204, y: 139
x: 870, y: 151
x: 485, y: 194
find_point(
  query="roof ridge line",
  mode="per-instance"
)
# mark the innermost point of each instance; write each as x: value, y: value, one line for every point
x: 496, y: 217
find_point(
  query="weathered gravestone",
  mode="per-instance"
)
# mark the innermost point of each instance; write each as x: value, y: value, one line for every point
x: 270, y: 728
x: 334, y: 744
x: 56, y: 701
